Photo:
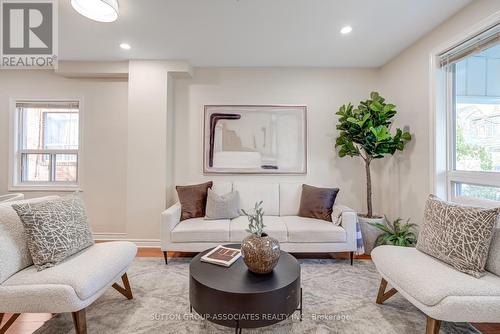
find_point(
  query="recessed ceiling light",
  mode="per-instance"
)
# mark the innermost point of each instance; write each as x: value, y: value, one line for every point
x: 125, y: 46
x: 346, y: 30
x: 97, y: 10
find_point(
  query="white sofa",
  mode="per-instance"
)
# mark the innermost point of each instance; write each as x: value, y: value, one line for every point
x: 70, y: 286
x: 437, y: 289
x: 281, y: 207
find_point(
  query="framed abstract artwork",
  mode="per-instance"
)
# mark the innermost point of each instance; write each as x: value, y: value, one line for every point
x: 260, y: 139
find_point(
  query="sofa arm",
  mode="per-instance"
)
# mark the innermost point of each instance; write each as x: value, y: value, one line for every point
x: 169, y: 219
x: 348, y: 220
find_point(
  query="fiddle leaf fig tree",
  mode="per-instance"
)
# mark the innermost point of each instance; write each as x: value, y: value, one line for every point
x: 365, y: 131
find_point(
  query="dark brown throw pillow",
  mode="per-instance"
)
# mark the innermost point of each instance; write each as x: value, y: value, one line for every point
x: 317, y: 202
x: 193, y: 200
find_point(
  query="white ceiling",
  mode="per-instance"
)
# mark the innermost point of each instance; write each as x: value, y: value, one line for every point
x: 254, y: 32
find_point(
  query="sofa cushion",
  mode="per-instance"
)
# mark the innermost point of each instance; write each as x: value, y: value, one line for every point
x: 302, y: 229
x: 56, y: 229
x: 200, y: 230
x: 274, y: 227
x: 253, y: 192
x: 86, y: 272
x: 290, y: 198
x: 458, y: 235
x: 427, y: 279
x: 14, y: 252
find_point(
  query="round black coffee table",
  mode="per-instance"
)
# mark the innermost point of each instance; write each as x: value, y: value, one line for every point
x: 235, y: 297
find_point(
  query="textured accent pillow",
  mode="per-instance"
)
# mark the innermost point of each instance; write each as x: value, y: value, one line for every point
x: 225, y: 206
x: 317, y: 202
x: 193, y: 200
x: 458, y: 235
x: 14, y: 251
x: 493, y: 262
x: 56, y: 229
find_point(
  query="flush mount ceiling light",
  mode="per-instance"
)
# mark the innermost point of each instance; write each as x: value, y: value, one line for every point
x: 97, y: 10
x: 346, y: 30
x: 125, y: 46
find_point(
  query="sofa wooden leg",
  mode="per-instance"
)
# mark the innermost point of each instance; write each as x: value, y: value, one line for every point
x: 8, y: 323
x: 165, y: 255
x: 433, y: 326
x: 351, y: 256
x: 382, y: 296
x: 126, y: 290
x: 80, y: 321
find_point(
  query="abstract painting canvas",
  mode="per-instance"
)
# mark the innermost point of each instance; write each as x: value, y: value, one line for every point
x: 255, y: 139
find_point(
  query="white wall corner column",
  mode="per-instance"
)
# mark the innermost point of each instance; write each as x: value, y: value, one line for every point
x: 148, y: 148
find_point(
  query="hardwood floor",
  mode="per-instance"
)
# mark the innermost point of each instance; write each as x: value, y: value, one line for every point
x: 27, y: 323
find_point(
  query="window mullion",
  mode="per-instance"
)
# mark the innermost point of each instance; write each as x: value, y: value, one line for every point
x: 477, y: 178
x: 450, y: 123
x: 52, y: 166
x: 21, y: 167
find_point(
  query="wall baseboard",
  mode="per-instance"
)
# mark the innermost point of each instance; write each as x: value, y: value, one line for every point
x: 145, y: 243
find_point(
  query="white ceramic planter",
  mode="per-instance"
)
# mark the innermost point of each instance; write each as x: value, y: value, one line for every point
x: 370, y: 233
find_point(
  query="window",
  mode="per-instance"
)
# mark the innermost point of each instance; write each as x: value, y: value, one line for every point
x: 47, y: 144
x: 473, y: 114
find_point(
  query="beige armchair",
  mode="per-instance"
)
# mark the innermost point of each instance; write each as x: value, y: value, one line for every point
x: 71, y: 286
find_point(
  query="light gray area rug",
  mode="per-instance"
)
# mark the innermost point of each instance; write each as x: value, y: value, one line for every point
x: 338, y: 298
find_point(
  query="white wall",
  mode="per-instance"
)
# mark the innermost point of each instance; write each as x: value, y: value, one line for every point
x: 322, y: 90
x: 146, y: 154
x: 104, y: 137
x: 147, y: 150
x: 405, y: 81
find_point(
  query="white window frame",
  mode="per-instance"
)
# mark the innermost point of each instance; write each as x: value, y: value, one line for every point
x: 15, y: 183
x: 442, y: 128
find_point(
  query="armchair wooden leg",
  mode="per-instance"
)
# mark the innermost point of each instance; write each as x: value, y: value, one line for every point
x: 9, y: 322
x: 125, y: 290
x: 351, y: 256
x: 80, y: 321
x: 382, y: 295
x: 165, y: 255
x: 433, y: 326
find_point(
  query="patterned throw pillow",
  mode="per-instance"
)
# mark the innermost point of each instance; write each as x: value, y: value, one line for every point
x: 458, y: 235
x: 56, y: 229
x: 225, y: 206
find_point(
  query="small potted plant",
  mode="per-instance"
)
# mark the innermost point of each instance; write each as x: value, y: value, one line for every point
x: 365, y: 132
x: 396, y: 233
x: 259, y: 251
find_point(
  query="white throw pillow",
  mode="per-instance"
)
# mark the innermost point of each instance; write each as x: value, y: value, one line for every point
x: 225, y: 206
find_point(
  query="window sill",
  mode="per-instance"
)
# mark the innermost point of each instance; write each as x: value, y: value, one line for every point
x: 46, y: 188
